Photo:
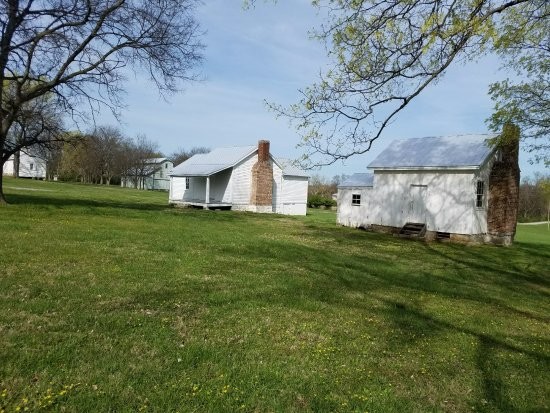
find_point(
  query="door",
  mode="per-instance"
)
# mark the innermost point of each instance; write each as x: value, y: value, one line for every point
x: 417, y: 203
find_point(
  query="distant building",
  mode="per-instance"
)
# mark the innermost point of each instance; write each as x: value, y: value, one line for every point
x: 151, y: 175
x: 31, y: 165
x: 245, y: 178
x: 455, y: 187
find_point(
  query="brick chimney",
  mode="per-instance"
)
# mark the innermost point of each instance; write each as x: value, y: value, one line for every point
x: 261, y: 194
x: 504, y: 188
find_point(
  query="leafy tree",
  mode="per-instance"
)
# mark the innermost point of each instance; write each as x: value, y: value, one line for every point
x: 387, y: 52
x: 526, y: 103
x: 72, y: 54
x: 544, y: 185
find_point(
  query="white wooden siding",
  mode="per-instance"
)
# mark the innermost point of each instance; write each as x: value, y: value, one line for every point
x: 445, y: 200
x: 294, y: 195
x: 8, y: 167
x: 354, y: 215
x: 219, y: 186
x: 278, y: 182
x: 241, y: 181
x: 29, y: 167
x: 177, y: 188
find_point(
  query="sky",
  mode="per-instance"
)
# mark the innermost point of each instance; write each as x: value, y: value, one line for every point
x: 265, y: 54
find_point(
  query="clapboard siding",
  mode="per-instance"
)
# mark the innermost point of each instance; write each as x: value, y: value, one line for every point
x: 446, y: 201
x: 29, y: 167
x: 242, y: 180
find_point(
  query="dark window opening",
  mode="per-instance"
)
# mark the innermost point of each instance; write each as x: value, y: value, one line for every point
x: 480, y: 190
x: 356, y: 199
x: 443, y: 235
x: 186, y: 183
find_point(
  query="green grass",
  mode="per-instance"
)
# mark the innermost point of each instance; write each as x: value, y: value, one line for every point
x: 538, y: 234
x: 112, y: 301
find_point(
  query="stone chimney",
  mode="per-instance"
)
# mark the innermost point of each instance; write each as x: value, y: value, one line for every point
x: 504, y: 188
x: 261, y: 194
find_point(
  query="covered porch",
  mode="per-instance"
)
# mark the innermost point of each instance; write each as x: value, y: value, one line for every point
x: 207, y: 191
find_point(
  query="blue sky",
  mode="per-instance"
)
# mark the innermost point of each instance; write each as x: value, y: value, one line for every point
x: 265, y: 54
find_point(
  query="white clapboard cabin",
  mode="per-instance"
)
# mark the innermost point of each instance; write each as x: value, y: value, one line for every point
x: 246, y: 178
x: 154, y: 176
x: 455, y: 187
x: 31, y: 165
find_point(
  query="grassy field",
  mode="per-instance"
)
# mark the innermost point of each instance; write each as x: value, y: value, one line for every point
x: 112, y: 301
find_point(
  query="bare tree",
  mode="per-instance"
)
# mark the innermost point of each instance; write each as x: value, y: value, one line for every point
x: 108, y: 145
x: 139, y: 156
x: 182, y: 155
x: 71, y: 54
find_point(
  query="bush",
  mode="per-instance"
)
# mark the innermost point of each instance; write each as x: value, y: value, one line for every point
x: 317, y: 201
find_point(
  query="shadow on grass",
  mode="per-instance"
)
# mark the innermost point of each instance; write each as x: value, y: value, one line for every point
x: 512, y: 281
x: 32, y: 199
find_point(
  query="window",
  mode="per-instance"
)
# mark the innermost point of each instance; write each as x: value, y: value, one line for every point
x: 165, y: 166
x: 161, y: 174
x: 479, y: 194
x: 187, y: 183
x: 356, y: 199
x: 31, y: 166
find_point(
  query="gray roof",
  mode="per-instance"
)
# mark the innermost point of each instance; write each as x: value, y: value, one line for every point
x: 358, y: 180
x: 289, y: 169
x: 206, y: 164
x: 155, y: 160
x: 446, y: 152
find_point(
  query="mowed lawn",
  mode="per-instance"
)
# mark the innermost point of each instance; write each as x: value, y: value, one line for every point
x: 110, y: 300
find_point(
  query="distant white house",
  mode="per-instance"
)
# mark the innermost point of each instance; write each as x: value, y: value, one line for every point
x: 455, y: 187
x: 151, y: 175
x: 245, y: 178
x: 31, y: 165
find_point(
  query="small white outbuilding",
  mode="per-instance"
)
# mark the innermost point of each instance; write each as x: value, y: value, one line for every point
x: 31, y: 165
x: 449, y: 187
x: 246, y: 178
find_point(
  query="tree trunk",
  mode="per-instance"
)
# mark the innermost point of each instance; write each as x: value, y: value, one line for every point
x: 16, y: 163
x: 2, y: 197
x: 548, y: 217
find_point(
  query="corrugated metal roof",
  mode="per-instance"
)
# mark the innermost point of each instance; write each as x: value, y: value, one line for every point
x: 454, y: 152
x: 289, y: 169
x: 358, y: 180
x: 215, y: 161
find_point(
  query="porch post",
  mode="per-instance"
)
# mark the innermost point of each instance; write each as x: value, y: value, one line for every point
x: 207, y: 199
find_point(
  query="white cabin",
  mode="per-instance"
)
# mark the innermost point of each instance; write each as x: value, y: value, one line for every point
x: 30, y: 166
x: 442, y: 182
x: 229, y: 178
x: 155, y: 176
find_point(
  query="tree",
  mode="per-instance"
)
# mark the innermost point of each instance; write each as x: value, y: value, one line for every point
x: 72, y: 54
x: 182, y: 155
x: 138, y: 165
x: 526, y: 103
x: 108, y: 145
x: 387, y: 52
x: 544, y: 185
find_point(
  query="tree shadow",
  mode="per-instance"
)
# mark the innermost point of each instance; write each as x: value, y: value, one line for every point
x: 37, y: 199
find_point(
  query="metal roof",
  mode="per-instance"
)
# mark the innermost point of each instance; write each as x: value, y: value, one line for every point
x: 289, y: 169
x: 446, y: 152
x: 206, y: 164
x: 358, y: 180
x: 155, y: 160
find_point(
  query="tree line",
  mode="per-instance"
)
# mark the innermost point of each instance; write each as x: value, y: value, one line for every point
x: 105, y: 156
x: 534, y: 199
